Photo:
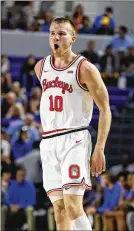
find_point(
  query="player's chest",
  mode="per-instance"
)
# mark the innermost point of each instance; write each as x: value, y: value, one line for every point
x: 64, y: 80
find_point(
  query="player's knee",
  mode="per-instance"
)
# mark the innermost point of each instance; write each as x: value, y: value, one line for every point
x: 59, y: 210
x: 73, y: 209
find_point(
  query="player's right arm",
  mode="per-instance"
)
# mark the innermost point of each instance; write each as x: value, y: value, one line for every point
x: 38, y: 68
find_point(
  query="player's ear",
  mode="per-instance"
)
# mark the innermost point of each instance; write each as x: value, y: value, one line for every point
x: 73, y: 38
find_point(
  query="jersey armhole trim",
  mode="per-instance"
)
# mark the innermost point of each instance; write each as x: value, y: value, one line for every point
x: 78, y: 75
x: 41, y: 67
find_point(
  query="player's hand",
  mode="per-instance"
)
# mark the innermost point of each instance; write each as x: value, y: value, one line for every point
x: 97, y: 165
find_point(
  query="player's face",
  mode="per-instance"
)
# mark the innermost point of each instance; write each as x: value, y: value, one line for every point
x: 61, y: 37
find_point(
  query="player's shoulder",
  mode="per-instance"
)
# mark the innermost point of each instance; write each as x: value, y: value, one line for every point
x: 86, y: 65
x: 39, y: 66
x: 38, y: 63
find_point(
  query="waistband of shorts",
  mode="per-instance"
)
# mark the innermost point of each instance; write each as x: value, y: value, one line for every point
x: 60, y: 132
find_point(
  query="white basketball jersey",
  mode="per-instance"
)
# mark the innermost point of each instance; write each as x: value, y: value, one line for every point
x: 65, y: 103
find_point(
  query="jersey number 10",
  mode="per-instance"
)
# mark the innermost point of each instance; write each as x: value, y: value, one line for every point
x: 56, y: 103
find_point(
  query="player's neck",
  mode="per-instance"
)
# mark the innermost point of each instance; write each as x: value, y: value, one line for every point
x: 61, y: 60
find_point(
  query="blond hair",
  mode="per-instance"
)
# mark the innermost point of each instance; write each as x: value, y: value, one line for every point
x: 64, y: 20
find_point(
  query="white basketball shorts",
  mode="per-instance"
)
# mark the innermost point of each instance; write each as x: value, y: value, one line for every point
x: 65, y: 161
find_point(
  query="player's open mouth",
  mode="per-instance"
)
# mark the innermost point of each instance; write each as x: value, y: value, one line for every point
x: 56, y: 46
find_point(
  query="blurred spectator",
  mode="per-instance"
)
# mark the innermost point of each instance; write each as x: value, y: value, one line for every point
x: 32, y: 164
x: 28, y: 66
x: 22, y: 15
x: 5, y: 148
x: 17, y: 16
x: 7, y: 164
x: 107, y: 63
x: 36, y: 25
x: 14, y: 115
x: 5, y: 64
x: 23, y: 145
x: 6, y: 83
x: 32, y: 131
x: 22, y: 22
x: 108, y: 68
x: 37, y: 118
x: 130, y: 199
x: 105, y: 24
x: 77, y: 17
x: 20, y: 95
x: 48, y: 17
x: 125, y: 206
x: 92, y: 198
x: 122, y: 180
x: 86, y: 26
x: 122, y: 41
x: 45, y: 6
x: 112, y: 194
x: 21, y: 196
x: 127, y: 61
x: 28, y: 70
x: 5, y: 179
x: 129, y: 186
x: 90, y: 53
x: 4, y: 15
x: 29, y: 14
x: 35, y: 100
x: 130, y: 167
x: 7, y: 103
x: 14, y: 123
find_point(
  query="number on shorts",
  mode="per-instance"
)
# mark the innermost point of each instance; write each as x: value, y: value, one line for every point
x: 56, y: 103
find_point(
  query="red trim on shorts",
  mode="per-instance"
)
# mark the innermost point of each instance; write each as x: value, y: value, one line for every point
x: 69, y: 185
x: 54, y: 190
x: 57, y: 130
x: 87, y: 187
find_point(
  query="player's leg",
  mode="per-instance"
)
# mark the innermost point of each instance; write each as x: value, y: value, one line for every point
x: 74, y: 208
x: 62, y: 220
x: 75, y: 175
x: 52, y: 183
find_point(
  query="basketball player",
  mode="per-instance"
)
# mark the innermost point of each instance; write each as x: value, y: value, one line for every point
x: 70, y: 83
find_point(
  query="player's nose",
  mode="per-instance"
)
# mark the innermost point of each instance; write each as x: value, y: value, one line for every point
x: 56, y: 37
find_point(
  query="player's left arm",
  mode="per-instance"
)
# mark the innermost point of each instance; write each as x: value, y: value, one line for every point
x: 90, y: 76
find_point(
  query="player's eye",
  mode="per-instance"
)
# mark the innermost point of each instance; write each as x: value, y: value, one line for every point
x: 61, y: 33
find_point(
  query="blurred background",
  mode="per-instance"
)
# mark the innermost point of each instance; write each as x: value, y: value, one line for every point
x: 105, y: 35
